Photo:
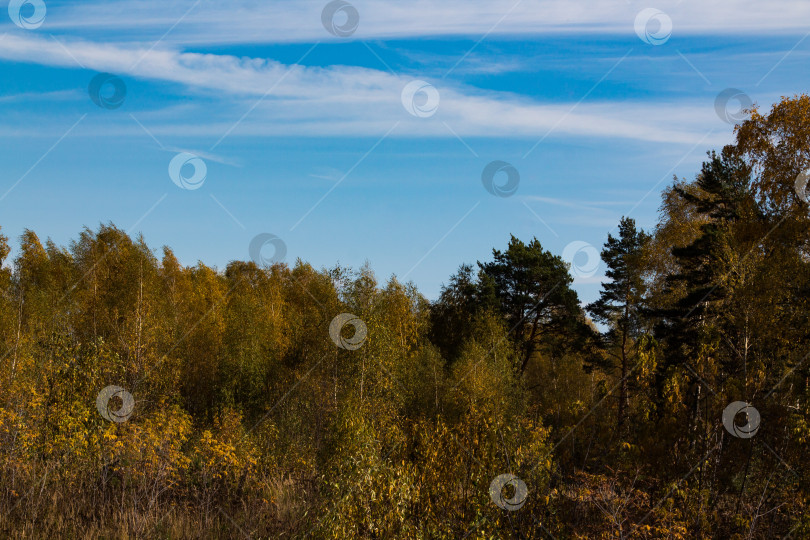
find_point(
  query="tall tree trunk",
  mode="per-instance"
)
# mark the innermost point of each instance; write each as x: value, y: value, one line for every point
x: 19, y: 332
x: 623, y: 385
x: 623, y: 398
x: 529, y: 347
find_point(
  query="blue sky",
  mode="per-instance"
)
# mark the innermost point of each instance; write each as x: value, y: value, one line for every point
x: 306, y: 135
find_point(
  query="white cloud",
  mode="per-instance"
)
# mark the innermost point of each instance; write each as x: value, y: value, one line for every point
x: 280, y: 21
x: 28, y: 97
x: 346, y: 100
x: 598, y: 280
x: 207, y: 156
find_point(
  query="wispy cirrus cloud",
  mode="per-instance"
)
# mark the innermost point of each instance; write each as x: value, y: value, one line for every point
x: 29, y: 97
x: 347, y: 100
x: 282, y: 21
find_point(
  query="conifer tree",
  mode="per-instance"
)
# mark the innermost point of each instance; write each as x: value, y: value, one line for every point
x: 620, y: 302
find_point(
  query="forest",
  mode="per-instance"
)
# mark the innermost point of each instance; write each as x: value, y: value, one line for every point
x: 140, y: 398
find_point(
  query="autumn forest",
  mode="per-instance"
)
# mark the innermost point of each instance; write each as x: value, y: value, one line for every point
x: 141, y: 398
